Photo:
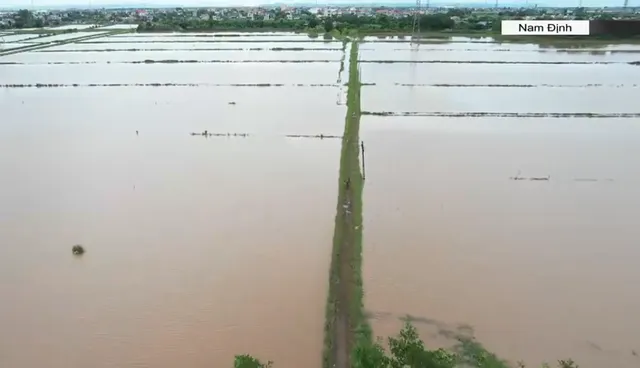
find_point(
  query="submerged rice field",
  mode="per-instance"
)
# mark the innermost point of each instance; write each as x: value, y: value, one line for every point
x: 490, y: 198
x: 199, y: 171
x: 185, y: 234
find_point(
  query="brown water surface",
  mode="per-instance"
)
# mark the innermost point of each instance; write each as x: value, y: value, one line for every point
x: 536, y: 270
x: 197, y: 249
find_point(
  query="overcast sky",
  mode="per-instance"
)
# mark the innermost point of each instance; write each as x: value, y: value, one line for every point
x: 97, y: 3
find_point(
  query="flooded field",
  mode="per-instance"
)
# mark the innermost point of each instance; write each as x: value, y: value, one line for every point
x: 64, y: 37
x: 74, y: 26
x: 211, y: 55
x: 228, y: 45
x: 536, y: 270
x: 212, y: 37
x: 10, y: 38
x: 303, y: 73
x: 13, y: 45
x: 197, y: 249
x: 120, y: 26
x: 208, y: 228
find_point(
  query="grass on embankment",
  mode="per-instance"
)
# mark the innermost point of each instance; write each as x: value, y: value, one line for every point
x: 345, y: 294
x: 352, y: 130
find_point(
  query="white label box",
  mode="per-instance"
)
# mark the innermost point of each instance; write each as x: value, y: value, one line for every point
x: 545, y: 27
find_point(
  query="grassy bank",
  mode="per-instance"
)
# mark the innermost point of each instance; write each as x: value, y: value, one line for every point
x: 362, y: 332
x: 345, y: 322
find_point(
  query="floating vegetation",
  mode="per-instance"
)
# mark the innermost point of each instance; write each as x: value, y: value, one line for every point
x: 570, y: 51
x: 592, y: 180
x: 585, y: 179
x: 497, y: 62
x: 519, y: 85
x: 77, y: 250
x: 316, y: 136
x: 507, y: 114
x: 533, y: 178
x: 548, y: 178
x: 58, y: 85
x: 206, y: 134
x: 296, y: 49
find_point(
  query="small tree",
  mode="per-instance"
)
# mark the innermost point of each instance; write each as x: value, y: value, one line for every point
x: 247, y: 361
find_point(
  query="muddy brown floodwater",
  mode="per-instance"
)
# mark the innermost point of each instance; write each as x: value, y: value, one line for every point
x: 196, y: 249
x: 535, y: 270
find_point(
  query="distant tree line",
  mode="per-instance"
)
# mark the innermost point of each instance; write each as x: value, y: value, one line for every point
x: 341, y: 23
x: 457, y: 19
x: 25, y: 18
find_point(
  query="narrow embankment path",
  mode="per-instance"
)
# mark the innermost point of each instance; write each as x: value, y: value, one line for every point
x: 345, y: 322
x: 44, y: 45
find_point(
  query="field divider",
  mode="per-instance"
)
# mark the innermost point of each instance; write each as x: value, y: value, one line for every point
x: 477, y: 114
x: 45, y: 45
x: 346, y: 325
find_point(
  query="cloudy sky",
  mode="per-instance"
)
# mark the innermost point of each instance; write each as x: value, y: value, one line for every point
x: 44, y: 3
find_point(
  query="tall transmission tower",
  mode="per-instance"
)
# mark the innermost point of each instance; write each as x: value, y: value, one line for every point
x: 496, y: 3
x: 416, y: 21
x: 626, y: 3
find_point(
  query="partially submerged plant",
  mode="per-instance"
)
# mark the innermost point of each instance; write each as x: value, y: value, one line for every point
x: 77, y: 250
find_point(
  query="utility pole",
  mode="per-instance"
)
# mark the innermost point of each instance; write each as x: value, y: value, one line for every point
x: 416, y: 21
